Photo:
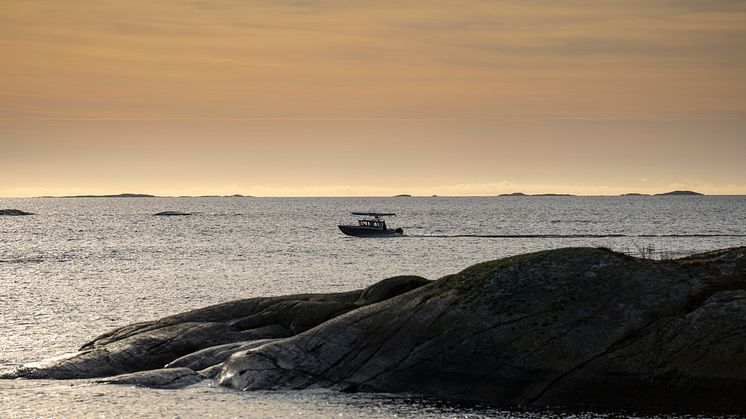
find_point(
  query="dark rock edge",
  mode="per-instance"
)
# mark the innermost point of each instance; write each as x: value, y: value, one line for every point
x: 171, y: 214
x: 14, y: 212
x: 577, y: 327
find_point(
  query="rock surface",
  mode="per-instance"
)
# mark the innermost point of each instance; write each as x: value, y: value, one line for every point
x: 577, y: 327
x: 14, y: 212
x: 572, y: 327
x: 179, y: 340
x: 204, y: 359
x: 166, y: 378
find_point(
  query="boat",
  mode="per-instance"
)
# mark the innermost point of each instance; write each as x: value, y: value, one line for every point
x: 371, y: 226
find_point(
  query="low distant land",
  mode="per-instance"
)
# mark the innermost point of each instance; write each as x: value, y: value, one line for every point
x: 539, y: 194
x: 672, y: 193
x: 17, y: 212
x: 553, y: 194
x: 121, y: 195
x: 142, y: 195
x: 679, y: 193
x: 513, y: 194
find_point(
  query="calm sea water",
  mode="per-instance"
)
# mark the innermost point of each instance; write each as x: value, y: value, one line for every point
x: 80, y: 267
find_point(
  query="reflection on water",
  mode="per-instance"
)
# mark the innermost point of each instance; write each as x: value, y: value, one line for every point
x: 80, y: 398
x: 80, y: 267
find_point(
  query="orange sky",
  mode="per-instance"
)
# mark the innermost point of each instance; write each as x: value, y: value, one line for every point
x: 313, y: 97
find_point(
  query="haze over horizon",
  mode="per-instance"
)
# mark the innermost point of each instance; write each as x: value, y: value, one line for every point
x: 332, y: 98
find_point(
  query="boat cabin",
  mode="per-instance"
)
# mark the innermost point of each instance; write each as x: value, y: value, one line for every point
x: 372, y: 226
x: 379, y: 224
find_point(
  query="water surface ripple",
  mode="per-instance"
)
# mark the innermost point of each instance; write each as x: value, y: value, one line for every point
x: 80, y: 267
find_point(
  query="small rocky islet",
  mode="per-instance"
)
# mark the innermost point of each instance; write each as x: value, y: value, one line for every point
x: 171, y: 214
x: 14, y: 212
x: 575, y: 327
x: 680, y: 193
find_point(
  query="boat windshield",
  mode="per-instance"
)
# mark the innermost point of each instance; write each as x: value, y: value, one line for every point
x: 373, y: 224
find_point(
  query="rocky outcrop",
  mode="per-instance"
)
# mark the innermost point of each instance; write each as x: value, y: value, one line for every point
x: 202, y: 338
x: 204, y: 360
x: 572, y: 327
x: 171, y: 213
x: 166, y: 378
x: 578, y: 327
x: 14, y: 212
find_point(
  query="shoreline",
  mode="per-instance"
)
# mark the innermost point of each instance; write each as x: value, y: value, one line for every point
x: 610, y: 282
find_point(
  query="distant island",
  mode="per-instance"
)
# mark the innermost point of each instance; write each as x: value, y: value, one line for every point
x: 679, y: 193
x: 14, y: 212
x: 672, y: 193
x: 553, y: 194
x: 517, y: 194
x: 121, y: 195
x: 540, y: 194
x: 142, y: 195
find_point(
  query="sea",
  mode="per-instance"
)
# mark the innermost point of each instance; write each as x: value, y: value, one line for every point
x: 79, y: 267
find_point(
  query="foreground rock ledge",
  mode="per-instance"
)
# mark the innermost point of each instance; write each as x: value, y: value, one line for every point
x: 572, y: 327
x: 14, y: 212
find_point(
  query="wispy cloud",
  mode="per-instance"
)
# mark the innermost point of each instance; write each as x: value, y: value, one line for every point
x: 321, y: 59
x: 290, y: 91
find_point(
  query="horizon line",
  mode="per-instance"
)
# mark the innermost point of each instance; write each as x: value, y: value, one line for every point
x: 403, y: 196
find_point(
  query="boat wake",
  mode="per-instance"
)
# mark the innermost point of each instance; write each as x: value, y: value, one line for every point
x: 567, y: 236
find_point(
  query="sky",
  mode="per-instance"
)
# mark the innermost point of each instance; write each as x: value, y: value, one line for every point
x: 372, y: 98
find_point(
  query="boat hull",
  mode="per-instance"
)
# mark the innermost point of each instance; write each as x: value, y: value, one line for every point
x: 358, y: 231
